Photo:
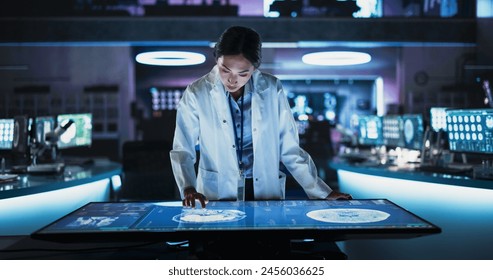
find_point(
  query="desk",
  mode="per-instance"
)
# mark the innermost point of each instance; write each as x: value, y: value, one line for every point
x: 409, y: 172
x: 35, y: 200
x: 230, y: 230
x: 460, y: 205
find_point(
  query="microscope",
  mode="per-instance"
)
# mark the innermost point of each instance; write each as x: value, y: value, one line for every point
x: 44, y: 153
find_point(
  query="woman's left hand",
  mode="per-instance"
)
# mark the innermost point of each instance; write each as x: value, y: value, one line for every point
x: 334, y: 195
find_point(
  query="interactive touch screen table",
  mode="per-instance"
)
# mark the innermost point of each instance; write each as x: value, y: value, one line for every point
x: 288, y: 219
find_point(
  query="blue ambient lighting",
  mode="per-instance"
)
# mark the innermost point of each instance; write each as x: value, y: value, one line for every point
x: 24, y: 214
x: 170, y: 58
x: 336, y: 58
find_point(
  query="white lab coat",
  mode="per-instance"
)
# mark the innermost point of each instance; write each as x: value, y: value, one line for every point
x: 204, y: 117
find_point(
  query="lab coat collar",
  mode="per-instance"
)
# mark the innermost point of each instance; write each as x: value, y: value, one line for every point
x: 260, y: 84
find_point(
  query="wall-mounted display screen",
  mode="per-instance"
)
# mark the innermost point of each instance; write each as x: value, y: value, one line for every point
x: 6, y: 133
x: 79, y: 134
x: 470, y: 130
x: 283, y: 219
x: 165, y: 98
x: 313, y: 106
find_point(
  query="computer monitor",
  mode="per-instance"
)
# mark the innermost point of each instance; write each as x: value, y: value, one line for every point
x: 6, y: 133
x: 470, y: 130
x: 413, y: 131
x: 438, y: 118
x: 314, y: 106
x: 42, y: 126
x: 79, y: 134
x: 392, y: 131
x: 20, y: 142
x: 285, y: 219
x: 370, y: 130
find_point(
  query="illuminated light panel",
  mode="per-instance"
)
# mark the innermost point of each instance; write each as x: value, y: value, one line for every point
x: 170, y: 58
x: 380, y: 96
x: 23, y: 215
x: 116, y: 182
x: 336, y: 58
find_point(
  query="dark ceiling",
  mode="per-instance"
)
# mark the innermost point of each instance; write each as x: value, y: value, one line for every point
x: 145, y: 30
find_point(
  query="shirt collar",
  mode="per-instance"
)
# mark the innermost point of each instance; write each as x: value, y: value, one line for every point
x: 248, y: 87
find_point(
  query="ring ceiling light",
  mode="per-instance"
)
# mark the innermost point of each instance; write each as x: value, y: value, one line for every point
x: 170, y: 58
x: 336, y: 58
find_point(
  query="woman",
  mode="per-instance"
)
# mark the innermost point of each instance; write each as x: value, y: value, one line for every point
x: 241, y: 119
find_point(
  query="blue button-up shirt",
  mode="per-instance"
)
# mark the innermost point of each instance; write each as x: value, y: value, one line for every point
x: 247, y: 151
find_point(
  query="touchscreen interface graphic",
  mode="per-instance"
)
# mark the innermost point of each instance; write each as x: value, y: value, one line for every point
x: 224, y: 216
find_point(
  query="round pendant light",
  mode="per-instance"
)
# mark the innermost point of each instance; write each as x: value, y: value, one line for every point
x: 170, y: 58
x: 336, y: 58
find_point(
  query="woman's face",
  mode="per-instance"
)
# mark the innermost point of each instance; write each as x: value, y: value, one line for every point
x: 235, y: 71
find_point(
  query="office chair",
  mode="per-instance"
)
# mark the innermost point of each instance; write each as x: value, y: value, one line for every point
x: 147, y: 173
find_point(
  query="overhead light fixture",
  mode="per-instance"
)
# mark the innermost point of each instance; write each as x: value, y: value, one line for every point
x: 170, y: 58
x: 336, y: 58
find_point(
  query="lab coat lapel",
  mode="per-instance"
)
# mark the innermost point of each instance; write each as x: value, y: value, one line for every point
x: 260, y: 86
x: 258, y: 111
x: 221, y: 106
x: 219, y: 100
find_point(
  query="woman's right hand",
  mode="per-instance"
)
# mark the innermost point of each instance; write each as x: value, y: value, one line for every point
x: 190, y: 194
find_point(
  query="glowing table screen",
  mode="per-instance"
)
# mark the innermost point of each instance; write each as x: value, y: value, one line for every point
x: 290, y: 218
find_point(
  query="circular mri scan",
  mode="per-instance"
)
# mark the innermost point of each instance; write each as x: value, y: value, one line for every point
x: 209, y: 216
x: 348, y: 215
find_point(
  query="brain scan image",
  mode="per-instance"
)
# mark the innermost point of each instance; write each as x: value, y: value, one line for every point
x: 348, y: 215
x: 209, y: 216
